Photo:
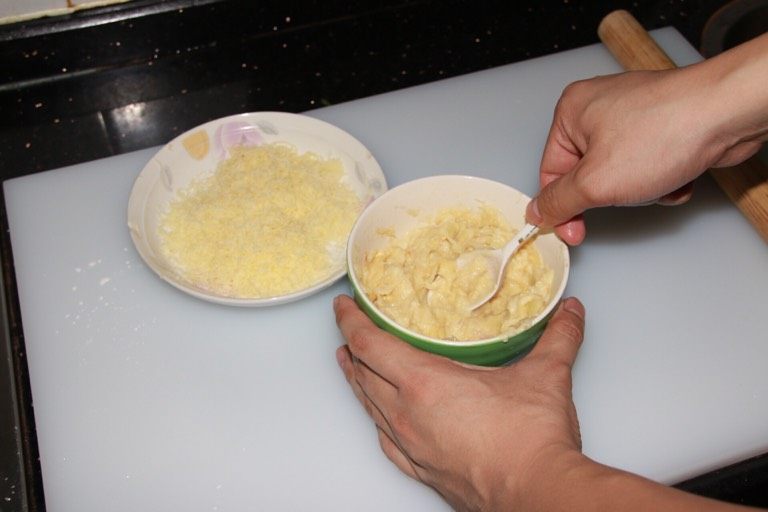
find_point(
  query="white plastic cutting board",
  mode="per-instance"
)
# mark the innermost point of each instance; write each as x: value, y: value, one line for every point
x: 147, y: 399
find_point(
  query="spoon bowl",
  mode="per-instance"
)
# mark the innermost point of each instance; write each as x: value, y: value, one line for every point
x: 496, y: 260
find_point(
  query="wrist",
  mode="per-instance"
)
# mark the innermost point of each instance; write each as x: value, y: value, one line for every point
x: 733, y: 85
x: 545, y: 483
x: 571, y: 481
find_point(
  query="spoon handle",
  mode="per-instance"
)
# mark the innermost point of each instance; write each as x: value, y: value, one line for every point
x: 527, y: 232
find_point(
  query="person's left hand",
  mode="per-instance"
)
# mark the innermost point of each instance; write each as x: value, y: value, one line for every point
x: 479, y: 436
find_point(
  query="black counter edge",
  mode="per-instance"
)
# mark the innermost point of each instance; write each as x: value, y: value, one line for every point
x: 93, y: 16
x: 742, y: 482
x: 31, y: 469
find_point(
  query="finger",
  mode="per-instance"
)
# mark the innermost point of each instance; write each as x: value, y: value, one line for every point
x: 386, y: 355
x: 344, y: 359
x: 347, y: 365
x: 398, y: 457
x: 559, y: 157
x: 560, y: 201
x: 572, y: 232
x: 564, y: 333
x: 380, y: 391
x: 680, y: 196
x: 738, y: 153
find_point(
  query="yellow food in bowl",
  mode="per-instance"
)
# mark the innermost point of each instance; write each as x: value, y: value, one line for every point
x: 415, y: 279
x: 270, y: 221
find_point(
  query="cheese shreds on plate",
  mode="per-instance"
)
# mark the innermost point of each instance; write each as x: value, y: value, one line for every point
x: 270, y: 221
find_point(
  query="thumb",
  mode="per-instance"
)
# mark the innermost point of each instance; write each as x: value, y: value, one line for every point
x: 560, y: 201
x: 564, y: 333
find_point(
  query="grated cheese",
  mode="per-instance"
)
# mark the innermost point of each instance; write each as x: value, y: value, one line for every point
x: 264, y: 224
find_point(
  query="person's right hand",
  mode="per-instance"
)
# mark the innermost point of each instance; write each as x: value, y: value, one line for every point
x: 635, y: 138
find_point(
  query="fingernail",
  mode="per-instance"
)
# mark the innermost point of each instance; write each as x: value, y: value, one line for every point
x: 570, y: 234
x: 574, y: 306
x: 534, y: 216
x: 336, y: 301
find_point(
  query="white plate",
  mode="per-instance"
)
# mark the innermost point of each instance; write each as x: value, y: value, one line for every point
x: 197, y: 152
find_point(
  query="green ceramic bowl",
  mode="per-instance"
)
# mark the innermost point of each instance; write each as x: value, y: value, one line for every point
x: 409, y: 205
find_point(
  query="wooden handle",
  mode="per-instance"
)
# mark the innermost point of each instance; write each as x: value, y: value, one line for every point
x: 746, y: 184
x: 630, y: 44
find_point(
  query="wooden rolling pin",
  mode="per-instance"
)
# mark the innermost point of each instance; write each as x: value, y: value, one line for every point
x: 745, y: 184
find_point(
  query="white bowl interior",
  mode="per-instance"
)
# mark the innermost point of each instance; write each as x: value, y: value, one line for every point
x: 412, y: 204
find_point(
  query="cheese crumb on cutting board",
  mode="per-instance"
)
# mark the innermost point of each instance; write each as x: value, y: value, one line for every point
x: 266, y: 223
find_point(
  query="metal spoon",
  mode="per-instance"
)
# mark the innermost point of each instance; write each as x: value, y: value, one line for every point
x: 497, y: 259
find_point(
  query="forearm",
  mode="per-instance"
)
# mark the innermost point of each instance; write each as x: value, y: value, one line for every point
x: 578, y: 483
x: 735, y: 92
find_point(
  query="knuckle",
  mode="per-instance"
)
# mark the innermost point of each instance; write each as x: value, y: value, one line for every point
x: 569, y: 330
x: 573, y: 93
x: 349, y: 373
x: 549, y: 377
x: 418, y: 390
x: 368, y: 406
x: 558, y: 370
x: 591, y: 188
x: 550, y: 203
x: 387, y: 446
x: 400, y: 423
x: 360, y: 339
x: 359, y: 375
x: 571, y: 90
x: 586, y: 188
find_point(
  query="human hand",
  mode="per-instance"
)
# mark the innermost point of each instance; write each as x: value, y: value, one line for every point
x: 479, y: 436
x: 632, y: 138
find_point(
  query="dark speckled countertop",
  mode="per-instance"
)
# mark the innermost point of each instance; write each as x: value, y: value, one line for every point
x: 107, y: 81
x: 110, y: 80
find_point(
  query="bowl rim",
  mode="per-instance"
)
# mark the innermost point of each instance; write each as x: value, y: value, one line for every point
x: 500, y: 338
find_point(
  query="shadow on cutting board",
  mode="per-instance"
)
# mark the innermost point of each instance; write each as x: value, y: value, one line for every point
x: 639, y: 224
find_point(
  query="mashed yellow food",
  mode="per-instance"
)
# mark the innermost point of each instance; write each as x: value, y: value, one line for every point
x: 415, y: 279
x: 269, y: 221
